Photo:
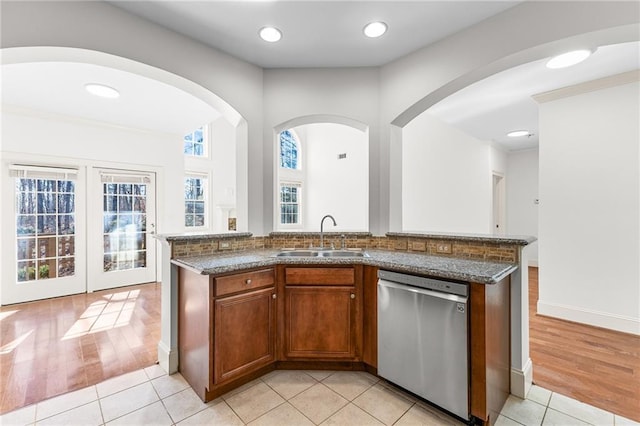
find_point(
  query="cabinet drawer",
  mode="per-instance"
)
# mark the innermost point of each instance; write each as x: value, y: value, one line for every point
x: 242, y: 282
x: 324, y: 276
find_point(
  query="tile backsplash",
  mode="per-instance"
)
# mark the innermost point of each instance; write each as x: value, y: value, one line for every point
x: 463, y: 248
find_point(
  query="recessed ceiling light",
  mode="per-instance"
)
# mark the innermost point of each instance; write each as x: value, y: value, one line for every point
x: 375, y: 29
x: 102, y: 90
x: 270, y: 34
x: 568, y: 59
x: 518, y: 133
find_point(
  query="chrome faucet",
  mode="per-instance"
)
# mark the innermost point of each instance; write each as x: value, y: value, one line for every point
x: 322, y: 229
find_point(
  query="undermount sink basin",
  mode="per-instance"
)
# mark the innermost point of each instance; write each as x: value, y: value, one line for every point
x: 297, y: 253
x: 322, y: 253
x: 342, y: 253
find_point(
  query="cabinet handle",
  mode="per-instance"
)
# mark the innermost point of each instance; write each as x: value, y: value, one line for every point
x: 353, y: 296
x: 248, y: 282
x: 273, y: 296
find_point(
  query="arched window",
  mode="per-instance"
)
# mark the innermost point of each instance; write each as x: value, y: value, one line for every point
x: 289, y: 150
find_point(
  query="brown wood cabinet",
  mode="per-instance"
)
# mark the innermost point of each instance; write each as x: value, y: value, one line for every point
x: 489, y: 348
x: 244, y: 333
x: 235, y: 327
x: 226, y: 329
x: 370, y: 319
x: 322, y: 313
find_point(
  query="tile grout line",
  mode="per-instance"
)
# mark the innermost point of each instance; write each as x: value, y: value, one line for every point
x: 316, y: 381
x: 286, y: 400
x: 100, y: 407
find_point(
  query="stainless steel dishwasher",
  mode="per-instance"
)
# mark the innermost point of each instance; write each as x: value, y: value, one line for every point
x: 422, y: 338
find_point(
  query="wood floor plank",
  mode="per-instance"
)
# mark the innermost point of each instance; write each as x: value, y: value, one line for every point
x: 597, y: 366
x: 51, y: 359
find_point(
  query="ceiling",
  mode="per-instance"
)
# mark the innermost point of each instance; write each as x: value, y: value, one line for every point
x: 501, y: 103
x: 486, y: 110
x: 316, y: 33
x: 144, y: 103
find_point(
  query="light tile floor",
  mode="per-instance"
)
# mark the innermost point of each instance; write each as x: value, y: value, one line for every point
x: 286, y: 397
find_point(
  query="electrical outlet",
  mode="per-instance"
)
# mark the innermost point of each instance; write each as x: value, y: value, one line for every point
x: 443, y: 248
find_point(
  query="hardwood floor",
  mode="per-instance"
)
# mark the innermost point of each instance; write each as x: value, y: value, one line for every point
x: 54, y: 346
x: 593, y: 365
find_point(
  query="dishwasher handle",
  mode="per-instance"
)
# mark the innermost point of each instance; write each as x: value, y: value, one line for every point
x: 445, y: 296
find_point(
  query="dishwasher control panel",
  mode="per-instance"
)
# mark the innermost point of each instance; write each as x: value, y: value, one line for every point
x: 424, y: 282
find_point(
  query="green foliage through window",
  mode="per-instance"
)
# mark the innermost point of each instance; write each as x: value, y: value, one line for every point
x: 45, y: 228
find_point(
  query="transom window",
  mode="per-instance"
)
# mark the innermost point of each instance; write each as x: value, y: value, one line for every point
x: 194, y: 144
x: 289, y: 150
x: 195, y: 201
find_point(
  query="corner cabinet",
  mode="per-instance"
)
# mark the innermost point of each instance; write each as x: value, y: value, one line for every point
x: 227, y: 329
x: 233, y: 328
x: 322, y: 318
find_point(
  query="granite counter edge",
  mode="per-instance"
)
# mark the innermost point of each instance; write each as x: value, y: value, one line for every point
x: 267, y: 261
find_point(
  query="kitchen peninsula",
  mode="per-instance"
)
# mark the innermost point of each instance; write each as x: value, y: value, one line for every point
x: 240, y: 310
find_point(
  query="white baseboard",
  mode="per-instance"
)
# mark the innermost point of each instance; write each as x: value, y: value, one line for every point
x: 533, y: 262
x: 167, y: 358
x: 590, y: 317
x: 521, y: 380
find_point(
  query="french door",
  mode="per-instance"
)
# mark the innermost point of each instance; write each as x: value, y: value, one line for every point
x: 122, y: 214
x: 72, y: 230
x: 45, y: 253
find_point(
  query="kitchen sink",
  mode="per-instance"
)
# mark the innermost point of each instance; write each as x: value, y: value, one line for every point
x: 297, y: 253
x: 342, y: 253
x: 322, y: 253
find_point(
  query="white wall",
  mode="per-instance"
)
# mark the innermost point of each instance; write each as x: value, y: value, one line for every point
x: 589, y: 208
x: 220, y: 166
x: 446, y: 178
x: 396, y: 92
x: 350, y: 93
x: 411, y: 84
x: 56, y: 138
x: 90, y: 25
x: 339, y: 187
x: 31, y: 137
x: 522, y: 191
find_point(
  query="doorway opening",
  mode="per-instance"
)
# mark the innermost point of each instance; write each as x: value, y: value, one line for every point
x: 498, y: 197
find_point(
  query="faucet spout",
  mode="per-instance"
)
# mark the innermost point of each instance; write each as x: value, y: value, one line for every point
x: 322, y: 229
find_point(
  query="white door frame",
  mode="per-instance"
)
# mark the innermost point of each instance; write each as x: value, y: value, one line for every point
x: 97, y: 279
x: 498, y: 216
x: 11, y: 291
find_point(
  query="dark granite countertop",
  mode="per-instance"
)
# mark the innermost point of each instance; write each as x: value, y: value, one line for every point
x: 421, y: 264
x: 326, y: 233
x: 186, y: 236
x: 521, y: 240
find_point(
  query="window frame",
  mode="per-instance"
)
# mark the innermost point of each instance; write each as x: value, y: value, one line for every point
x: 205, y: 198
x: 299, y: 186
x: 289, y: 177
x: 205, y: 143
x: 298, y: 148
x: 49, y: 189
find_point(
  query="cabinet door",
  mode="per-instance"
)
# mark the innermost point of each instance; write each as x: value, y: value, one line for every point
x: 244, y: 333
x: 320, y: 322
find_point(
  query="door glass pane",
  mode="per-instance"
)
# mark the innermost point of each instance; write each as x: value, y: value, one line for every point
x: 124, y: 230
x: 45, y: 228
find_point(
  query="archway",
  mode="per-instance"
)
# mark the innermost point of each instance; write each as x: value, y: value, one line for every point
x: 331, y: 176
